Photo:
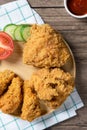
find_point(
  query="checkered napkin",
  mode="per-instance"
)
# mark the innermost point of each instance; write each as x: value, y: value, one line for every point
x: 20, y: 12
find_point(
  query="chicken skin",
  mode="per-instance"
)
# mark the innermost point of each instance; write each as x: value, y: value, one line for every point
x: 11, y: 100
x: 52, y: 85
x: 45, y: 48
x: 31, y: 106
x: 5, y: 79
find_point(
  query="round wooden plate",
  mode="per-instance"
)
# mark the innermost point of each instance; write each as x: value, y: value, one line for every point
x: 70, y: 65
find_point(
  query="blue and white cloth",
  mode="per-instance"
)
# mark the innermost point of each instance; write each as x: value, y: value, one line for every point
x: 20, y: 12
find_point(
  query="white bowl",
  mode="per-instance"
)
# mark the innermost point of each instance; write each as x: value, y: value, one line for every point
x: 76, y: 16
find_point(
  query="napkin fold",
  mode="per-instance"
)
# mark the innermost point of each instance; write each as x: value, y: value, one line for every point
x: 20, y: 12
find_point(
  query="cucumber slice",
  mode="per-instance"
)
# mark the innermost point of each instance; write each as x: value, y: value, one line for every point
x: 25, y: 32
x: 10, y: 28
x: 17, y: 33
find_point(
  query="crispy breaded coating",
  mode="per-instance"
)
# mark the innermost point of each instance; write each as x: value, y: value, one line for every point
x: 5, y: 79
x: 55, y: 102
x: 11, y: 100
x: 52, y: 84
x: 45, y: 48
x: 31, y: 106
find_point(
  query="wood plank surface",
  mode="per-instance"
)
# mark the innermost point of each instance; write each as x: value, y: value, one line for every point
x: 75, y: 33
x: 46, y: 3
x: 4, y: 1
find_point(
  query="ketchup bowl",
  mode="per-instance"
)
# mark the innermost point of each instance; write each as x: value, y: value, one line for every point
x: 76, y: 8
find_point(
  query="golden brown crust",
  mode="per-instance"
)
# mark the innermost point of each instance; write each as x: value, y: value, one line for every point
x: 47, y: 87
x: 31, y: 106
x: 5, y: 79
x: 45, y: 48
x: 52, y: 84
x: 55, y: 102
x: 11, y: 100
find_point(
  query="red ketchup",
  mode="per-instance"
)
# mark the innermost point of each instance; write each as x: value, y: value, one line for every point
x: 77, y: 7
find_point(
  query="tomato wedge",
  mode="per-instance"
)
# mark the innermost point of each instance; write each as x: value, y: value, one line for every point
x: 6, y: 45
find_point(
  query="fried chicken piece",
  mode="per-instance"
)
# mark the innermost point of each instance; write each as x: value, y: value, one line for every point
x: 45, y: 48
x: 11, y: 100
x: 52, y: 84
x: 5, y: 79
x: 31, y: 106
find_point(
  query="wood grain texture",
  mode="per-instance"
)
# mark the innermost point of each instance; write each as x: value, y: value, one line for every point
x: 4, y: 1
x: 75, y: 33
x: 46, y: 3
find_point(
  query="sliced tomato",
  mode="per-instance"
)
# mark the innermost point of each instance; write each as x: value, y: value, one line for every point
x: 6, y: 45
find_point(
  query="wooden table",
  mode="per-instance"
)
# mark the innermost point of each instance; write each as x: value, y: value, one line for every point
x: 75, y: 32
